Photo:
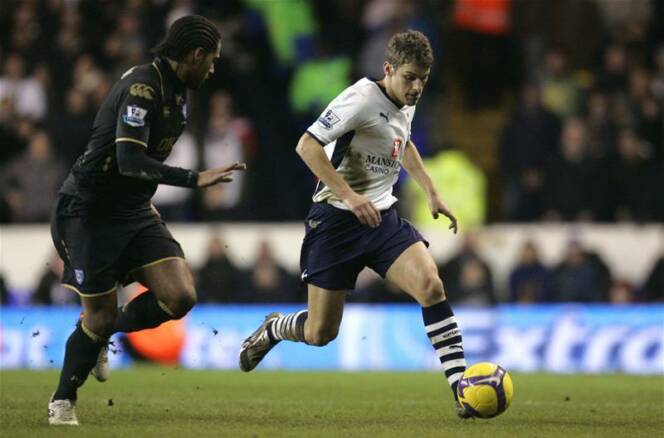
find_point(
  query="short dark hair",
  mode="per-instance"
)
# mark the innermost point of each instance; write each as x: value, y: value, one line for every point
x: 186, y: 34
x: 408, y: 47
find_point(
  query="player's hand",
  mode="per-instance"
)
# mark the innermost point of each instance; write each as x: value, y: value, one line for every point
x: 439, y: 207
x: 366, y: 212
x: 211, y: 177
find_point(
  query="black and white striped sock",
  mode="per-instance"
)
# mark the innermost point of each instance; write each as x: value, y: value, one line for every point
x: 445, y: 336
x: 288, y: 327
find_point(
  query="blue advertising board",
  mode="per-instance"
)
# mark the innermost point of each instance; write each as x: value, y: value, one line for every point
x: 551, y: 338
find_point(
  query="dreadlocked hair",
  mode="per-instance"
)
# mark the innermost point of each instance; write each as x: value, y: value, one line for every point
x: 186, y: 34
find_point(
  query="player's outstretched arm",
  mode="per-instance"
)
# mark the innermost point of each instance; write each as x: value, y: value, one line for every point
x: 134, y: 163
x: 315, y: 158
x: 218, y: 175
x: 412, y: 162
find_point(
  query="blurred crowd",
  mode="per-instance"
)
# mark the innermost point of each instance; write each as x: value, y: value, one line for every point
x: 583, y: 79
x: 581, y: 275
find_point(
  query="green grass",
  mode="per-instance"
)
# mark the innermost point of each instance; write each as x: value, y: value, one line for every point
x: 166, y: 402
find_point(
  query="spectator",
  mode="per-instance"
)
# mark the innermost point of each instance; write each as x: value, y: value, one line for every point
x: 621, y: 292
x: 654, y: 286
x: 645, y: 112
x: 600, y: 129
x: 530, y: 280
x: 30, y: 182
x: 219, y: 280
x: 577, y: 278
x: 573, y: 183
x: 658, y: 81
x: 631, y: 178
x: 49, y: 290
x: 485, y: 51
x: 529, y: 141
x: 612, y: 78
x: 4, y: 293
x: 223, y: 143
x: 71, y: 128
x: 28, y: 94
x: 560, y: 93
x: 12, y: 143
x: 269, y: 282
x: 466, y: 277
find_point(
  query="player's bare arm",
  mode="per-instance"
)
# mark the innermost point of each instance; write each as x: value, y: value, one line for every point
x: 315, y: 158
x: 211, y: 177
x: 412, y: 162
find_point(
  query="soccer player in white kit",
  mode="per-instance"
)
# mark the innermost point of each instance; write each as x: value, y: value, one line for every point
x: 356, y: 148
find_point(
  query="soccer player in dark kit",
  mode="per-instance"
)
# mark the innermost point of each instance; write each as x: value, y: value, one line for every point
x: 356, y: 149
x: 104, y: 225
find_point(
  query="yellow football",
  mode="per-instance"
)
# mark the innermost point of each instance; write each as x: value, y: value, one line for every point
x: 485, y: 390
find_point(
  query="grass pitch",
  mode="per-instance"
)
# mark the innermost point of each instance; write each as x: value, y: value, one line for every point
x: 167, y: 402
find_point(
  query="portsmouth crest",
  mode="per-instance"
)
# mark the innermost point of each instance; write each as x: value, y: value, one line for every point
x: 80, y: 276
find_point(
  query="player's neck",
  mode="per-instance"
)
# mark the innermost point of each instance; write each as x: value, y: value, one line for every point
x: 384, y: 85
x: 177, y: 69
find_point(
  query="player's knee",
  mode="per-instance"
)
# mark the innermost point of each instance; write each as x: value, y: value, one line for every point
x: 183, y: 298
x: 100, y: 323
x: 184, y: 303
x: 322, y: 335
x: 432, y: 288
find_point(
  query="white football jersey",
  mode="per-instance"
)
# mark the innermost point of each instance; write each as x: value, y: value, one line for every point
x: 364, y: 133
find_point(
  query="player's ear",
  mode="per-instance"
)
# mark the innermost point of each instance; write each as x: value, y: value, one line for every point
x: 388, y: 69
x: 197, y: 55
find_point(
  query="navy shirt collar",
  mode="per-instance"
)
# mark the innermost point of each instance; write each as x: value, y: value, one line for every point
x: 380, y: 86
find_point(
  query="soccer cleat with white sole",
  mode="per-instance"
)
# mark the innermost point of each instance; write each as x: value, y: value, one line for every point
x: 101, y: 369
x: 62, y: 413
x: 257, y: 345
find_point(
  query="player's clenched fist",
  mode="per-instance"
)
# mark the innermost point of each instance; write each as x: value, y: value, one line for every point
x: 366, y: 212
x: 219, y: 175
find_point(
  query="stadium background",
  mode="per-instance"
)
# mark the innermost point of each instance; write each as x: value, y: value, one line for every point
x: 542, y: 124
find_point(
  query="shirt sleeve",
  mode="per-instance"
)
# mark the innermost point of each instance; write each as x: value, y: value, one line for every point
x: 345, y: 113
x: 135, y: 114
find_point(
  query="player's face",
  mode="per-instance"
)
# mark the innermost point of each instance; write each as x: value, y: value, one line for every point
x: 406, y: 83
x: 202, y: 67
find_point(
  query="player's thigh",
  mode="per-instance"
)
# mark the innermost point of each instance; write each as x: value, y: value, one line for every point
x: 170, y: 280
x: 325, y: 308
x: 415, y: 272
x: 155, y: 259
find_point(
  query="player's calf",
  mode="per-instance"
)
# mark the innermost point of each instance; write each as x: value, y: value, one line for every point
x: 320, y: 334
x: 445, y: 336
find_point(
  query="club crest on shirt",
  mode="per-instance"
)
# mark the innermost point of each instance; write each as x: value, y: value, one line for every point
x: 80, y: 275
x: 396, y: 147
x: 328, y: 120
x: 135, y: 116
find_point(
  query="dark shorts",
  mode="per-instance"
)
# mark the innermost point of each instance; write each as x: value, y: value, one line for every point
x: 337, y: 246
x: 99, y: 253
